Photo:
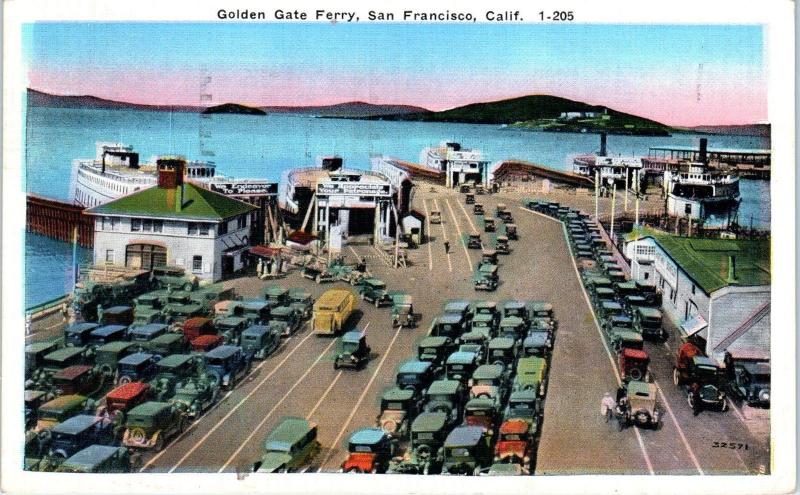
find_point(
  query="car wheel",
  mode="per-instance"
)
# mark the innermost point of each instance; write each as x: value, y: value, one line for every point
x: 336, y: 364
x: 354, y: 470
x: 159, y: 445
x: 676, y: 377
x: 724, y: 406
x: 377, y: 303
x: 124, y: 380
x: 318, y: 279
x: 690, y: 400
x: 635, y: 373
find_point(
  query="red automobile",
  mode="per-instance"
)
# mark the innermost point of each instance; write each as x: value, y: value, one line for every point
x: 514, y: 444
x: 205, y: 343
x: 126, y: 397
x: 633, y: 364
x: 370, y: 449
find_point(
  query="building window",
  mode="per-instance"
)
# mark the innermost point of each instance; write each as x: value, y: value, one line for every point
x: 645, y: 250
x: 136, y: 224
x: 192, y: 228
x: 688, y: 209
x: 197, y: 228
x: 222, y: 228
x: 109, y: 255
x: 241, y: 221
x: 646, y: 275
x: 203, y: 228
x: 147, y: 225
x: 158, y: 225
x: 197, y: 264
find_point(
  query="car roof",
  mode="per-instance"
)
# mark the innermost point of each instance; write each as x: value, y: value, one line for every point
x: 517, y: 425
x: 460, y: 357
x: 444, y: 387
x: 649, y: 312
x: 108, y: 330
x: 76, y: 424
x: 231, y: 321
x: 254, y: 304
x: 501, y: 343
x: 487, y: 371
x: 513, y: 304
x: 127, y: 391
x: 511, y: 321
x: 40, y: 346
x: 429, y: 421
x: 64, y: 353
x: 620, y: 318
x: 449, y: 318
x: 256, y: 330
x: 353, y: 336
x: 530, y: 364
x: 196, y: 321
x: 175, y: 360
x: 90, y: 457
x: 535, y: 338
x: 397, y: 393
x: 279, y: 310
x: 149, y: 408
x: 34, y: 394
x: 81, y: 327
x: 612, y: 305
x: 523, y: 395
x: 290, y: 430
x: 464, y: 436
x: 482, y: 317
x: 480, y: 403
x: 62, y: 402
x: 149, y: 329
x: 415, y: 366
x: 206, y: 339
x: 116, y: 346
x: 136, y: 358
x: 627, y: 334
x: 367, y: 436
x: 117, y: 309
x: 640, y: 388
x: 167, y: 337
x: 634, y: 353
x: 223, y: 351
x: 458, y: 305
x: 704, y: 361
x: 433, y: 341
x: 72, y: 372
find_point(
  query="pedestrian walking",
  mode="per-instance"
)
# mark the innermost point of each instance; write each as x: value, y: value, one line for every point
x: 446, y: 247
x: 729, y: 367
x: 697, y: 401
x: 607, y: 405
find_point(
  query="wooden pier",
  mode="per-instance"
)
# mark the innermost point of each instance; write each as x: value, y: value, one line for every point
x: 58, y: 219
x: 512, y: 170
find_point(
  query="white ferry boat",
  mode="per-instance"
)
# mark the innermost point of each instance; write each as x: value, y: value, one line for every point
x: 460, y: 165
x: 698, y: 193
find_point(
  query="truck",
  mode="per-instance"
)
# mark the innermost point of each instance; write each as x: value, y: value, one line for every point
x: 332, y: 310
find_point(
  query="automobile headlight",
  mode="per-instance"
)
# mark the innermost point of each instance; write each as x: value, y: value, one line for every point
x: 526, y: 459
x: 764, y: 395
x: 496, y: 458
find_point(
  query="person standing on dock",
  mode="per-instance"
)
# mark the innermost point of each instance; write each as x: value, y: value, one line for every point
x: 446, y: 247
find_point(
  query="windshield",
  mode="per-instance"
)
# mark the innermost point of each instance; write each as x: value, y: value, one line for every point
x: 423, y: 436
x: 512, y: 437
x: 349, y: 347
x: 407, y: 379
x: 458, y: 452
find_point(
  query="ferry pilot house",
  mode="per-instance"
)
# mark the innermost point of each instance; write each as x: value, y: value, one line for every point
x: 176, y: 223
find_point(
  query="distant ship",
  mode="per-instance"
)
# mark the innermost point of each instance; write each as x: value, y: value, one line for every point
x: 460, y: 165
x: 698, y: 192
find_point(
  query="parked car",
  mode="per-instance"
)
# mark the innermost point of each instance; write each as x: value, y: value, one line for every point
x: 106, y: 334
x: 332, y: 310
x: 501, y: 245
x: 205, y: 343
x: 290, y: 447
x: 488, y: 224
x: 642, y: 409
x: 73, y: 435
x: 81, y: 379
x: 398, y: 408
x: 467, y: 450
x: 169, y: 372
x: 633, y: 364
x: 537, y: 343
x: 486, y: 278
x: 752, y: 382
x: 460, y: 366
x: 531, y: 373
x: 259, y: 341
x: 145, y: 333
x: 370, y: 450
x: 317, y: 273
x: 255, y: 311
x: 152, y: 424
x: 79, y: 334
x: 474, y: 241
x: 425, y: 454
x: 435, y: 217
x: 354, y: 351
x: 58, y: 410
x: 125, y: 397
x: 208, y: 296
x: 276, y: 294
x: 302, y: 302
x: 515, y: 443
x: 485, y: 324
x: 525, y: 405
x: 403, y: 311
x: 502, y: 351
x: 707, y: 375
x: 434, y: 349
x: 490, y: 381
x: 445, y: 396
x: 415, y: 375
x: 286, y: 320
x: 99, y: 459
x: 231, y: 328
x: 512, y: 327
x: 197, y: 326
x: 35, y: 353
x: 139, y: 366
x: 33, y: 400
x: 648, y: 322
x: 167, y: 344
x: 447, y: 325
x: 227, y: 365
x: 483, y: 412
x: 117, y: 315
x: 194, y: 395
x: 59, y: 360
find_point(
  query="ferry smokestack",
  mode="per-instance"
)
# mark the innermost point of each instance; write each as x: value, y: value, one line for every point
x: 170, y: 177
x: 603, y: 138
x: 704, y: 150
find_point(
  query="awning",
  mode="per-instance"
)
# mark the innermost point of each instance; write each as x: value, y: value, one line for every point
x: 265, y: 251
x: 692, y: 325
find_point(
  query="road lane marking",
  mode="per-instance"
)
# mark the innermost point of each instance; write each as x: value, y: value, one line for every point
x: 239, y: 404
x: 324, y: 395
x: 361, y: 398
x: 680, y: 430
x: 358, y: 257
x: 277, y: 404
x: 458, y: 229
x: 474, y: 230
x: 429, y: 231
x: 600, y: 334
x: 444, y: 234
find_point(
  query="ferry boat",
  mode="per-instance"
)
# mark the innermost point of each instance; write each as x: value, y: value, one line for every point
x: 697, y: 192
x: 611, y: 168
x: 460, y: 165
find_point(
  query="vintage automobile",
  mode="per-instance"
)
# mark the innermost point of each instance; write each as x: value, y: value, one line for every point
x: 501, y: 245
x: 332, y: 310
x: 531, y: 372
x: 353, y: 351
x: 152, y: 424
x: 99, y: 459
x: 461, y: 307
x: 276, y: 294
x: 139, y: 366
x: 164, y: 345
x: 146, y: 333
x: 434, y: 349
x: 227, y: 365
x: 208, y: 296
x: 374, y: 290
x: 483, y: 412
x: 35, y: 353
x: 477, y: 209
x: 512, y: 327
x: 286, y: 320
x: 195, y: 395
x: 318, y: 273
x: 169, y: 372
x: 525, y: 405
x: 478, y: 339
x: 143, y: 315
x: 34, y: 399
x: 474, y: 241
x: 608, y: 309
x: 403, y: 311
x: 125, y: 397
x: 486, y: 278
x: 488, y: 225
x: 302, y: 302
x: 488, y: 255
x: 117, y: 315
x: 259, y: 341
x: 650, y: 293
x: 177, y: 279
x: 55, y: 361
x: 537, y: 343
x: 58, y: 410
x: 205, y: 343
x: 514, y: 443
x: 479, y: 189
x: 448, y: 325
x: 751, y: 382
x: 500, y: 210
x: 615, y: 273
x: 398, y: 408
x: 231, y: 328
x: 602, y: 295
x: 445, y: 396
x: 511, y: 231
x: 633, y: 364
x: 106, y: 334
x: 370, y: 450
x: 415, y: 375
x: 73, y: 435
x: 255, y: 311
x: 197, y: 326
x: 642, y: 407
x: 424, y: 454
x: 707, y: 375
x: 467, y: 450
x: 469, y: 199
x: 435, y: 217
x: 81, y: 379
x: 648, y: 322
x: 623, y: 338
x: 485, y: 324
x: 460, y: 365
x: 78, y: 334
x: 503, y: 352
x: 290, y: 447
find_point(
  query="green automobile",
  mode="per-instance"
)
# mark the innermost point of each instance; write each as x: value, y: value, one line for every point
x: 99, y: 459
x: 152, y: 424
x: 289, y: 447
x: 467, y: 450
x: 531, y: 373
x: 169, y: 372
x: 425, y: 454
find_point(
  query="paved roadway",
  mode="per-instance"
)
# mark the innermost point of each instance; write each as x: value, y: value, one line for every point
x: 299, y: 380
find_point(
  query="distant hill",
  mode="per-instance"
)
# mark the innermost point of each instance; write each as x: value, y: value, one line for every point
x: 41, y: 99
x: 760, y: 130
x: 350, y: 109
x: 542, y: 112
x: 234, y: 108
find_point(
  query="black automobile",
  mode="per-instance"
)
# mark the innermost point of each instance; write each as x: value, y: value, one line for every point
x: 751, y: 382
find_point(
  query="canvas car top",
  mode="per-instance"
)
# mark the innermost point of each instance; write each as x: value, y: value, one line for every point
x: 461, y: 357
x: 487, y: 372
x: 414, y: 366
x: 72, y: 372
x: 353, y: 336
x: 433, y: 341
x: 444, y: 387
x: 174, y: 361
x: 639, y: 388
x: 634, y: 353
x: 107, y: 330
x: 76, y: 424
x: 449, y: 319
x: 64, y: 354
x: 398, y: 394
x: 116, y: 310
x: 149, y: 329
x: 288, y: 432
x: 136, y: 358
x: 429, y: 421
x: 501, y: 343
x: 367, y: 436
x: 255, y: 331
x: 127, y: 391
x: 90, y: 457
x: 230, y: 321
x: 464, y: 436
x: 149, y: 408
x: 60, y: 403
x: 222, y: 352
x: 80, y: 327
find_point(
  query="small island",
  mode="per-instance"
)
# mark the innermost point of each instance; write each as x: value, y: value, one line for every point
x: 233, y: 108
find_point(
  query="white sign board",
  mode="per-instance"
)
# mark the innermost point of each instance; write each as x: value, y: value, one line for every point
x: 353, y: 189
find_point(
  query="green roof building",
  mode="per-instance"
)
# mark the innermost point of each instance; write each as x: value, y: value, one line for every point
x: 715, y: 290
x: 176, y: 223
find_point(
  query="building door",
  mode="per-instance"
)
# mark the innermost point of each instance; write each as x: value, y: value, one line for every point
x: 227, y: 264
x: 145, y: 256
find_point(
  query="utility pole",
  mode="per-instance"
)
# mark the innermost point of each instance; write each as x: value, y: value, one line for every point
x: 638, y: 179
x: 596, y: 192
x: 626, y: 187
x: 613, y: 204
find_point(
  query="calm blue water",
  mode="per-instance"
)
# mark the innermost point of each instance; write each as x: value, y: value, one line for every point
x: 251, y: 146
